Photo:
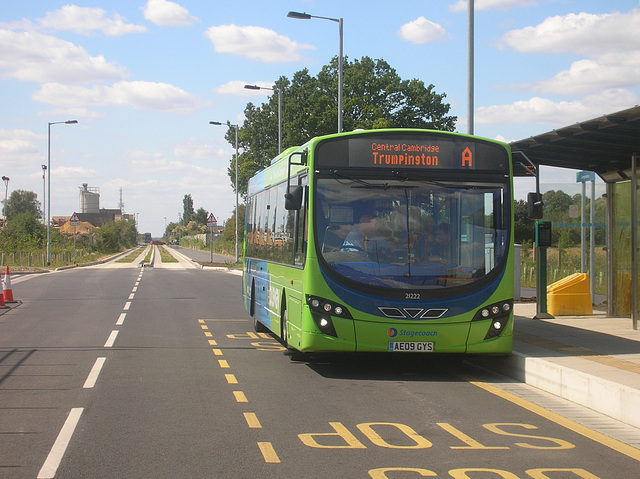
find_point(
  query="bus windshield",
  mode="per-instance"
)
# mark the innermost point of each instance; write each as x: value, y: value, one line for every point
x: 404, y: 233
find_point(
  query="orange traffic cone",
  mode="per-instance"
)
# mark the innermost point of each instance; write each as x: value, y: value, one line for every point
x: 7, y: 292
x: 2, y: 305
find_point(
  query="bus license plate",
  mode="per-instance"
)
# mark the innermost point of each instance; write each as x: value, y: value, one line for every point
x: 411, y: 346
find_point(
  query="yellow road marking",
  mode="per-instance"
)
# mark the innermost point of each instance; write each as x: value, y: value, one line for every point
x: 252, y: 420
x: 607, y: 441
x: 204, y: 326
x: 201, y: 321
x: 213, y: 342
x: 240, y: 397
x: 231, y: 378
x: 269, y: 453
x: 208, y: 335
x: 223, y: 363
x: 224, y: 320
x: 217, y: 352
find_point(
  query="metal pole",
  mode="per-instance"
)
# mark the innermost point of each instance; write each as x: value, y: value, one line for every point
x: 583, y: 230
x: 634, y: 241
x: 340, y: 76
x: 610, y: 270
x: 470, y: 67
x: 237, y: 256
x: 49, y: 196
x: 279, y: 121
x: 44, y: 190
x: 592, y: 243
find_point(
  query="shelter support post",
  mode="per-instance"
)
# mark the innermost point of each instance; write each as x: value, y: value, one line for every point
x: 634, y: 240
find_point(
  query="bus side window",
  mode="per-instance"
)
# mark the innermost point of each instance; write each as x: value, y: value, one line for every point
x: 300, y: 220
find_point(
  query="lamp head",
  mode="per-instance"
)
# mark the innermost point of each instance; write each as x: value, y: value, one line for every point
x: 299, y: 16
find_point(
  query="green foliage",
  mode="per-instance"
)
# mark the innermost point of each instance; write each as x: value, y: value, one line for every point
x: 187, y: 209
x: 24, y: 232
x: 116, y: 235
x: 228, y: 234
x: 556, y: 210
x: 21, y: 201
x: 523, y: 226
x: 374, y: 96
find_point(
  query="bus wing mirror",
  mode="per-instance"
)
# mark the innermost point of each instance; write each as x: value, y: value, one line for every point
x: 293, y: 198
x: 535, y: 205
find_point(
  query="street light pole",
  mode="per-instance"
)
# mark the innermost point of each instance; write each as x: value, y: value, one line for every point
x: 306, y: 16
x: 6, y: 194
x: 67, y: 122
x: 44, y: 190
x: 236, y: 127
x: 279, y: 92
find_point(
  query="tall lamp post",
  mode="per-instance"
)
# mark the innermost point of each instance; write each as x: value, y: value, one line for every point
x: 306, y: 16
x: 44, y: 190
x: 6, y: 192
x: 67, y: 122
x: 236, y: 127
x: 279, y: 92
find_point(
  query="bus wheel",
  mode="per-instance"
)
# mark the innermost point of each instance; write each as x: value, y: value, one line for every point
x: 257, y: 325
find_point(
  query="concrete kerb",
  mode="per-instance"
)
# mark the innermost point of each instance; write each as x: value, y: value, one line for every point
x: 101, y: 261
x: 175, y: 252
x: 607, y: 390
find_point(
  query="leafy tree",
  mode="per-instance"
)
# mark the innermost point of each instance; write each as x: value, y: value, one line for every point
x: 24, y: 232
x: 21, y: 201
x: 201, y: 216
x: 116, y: 235
x: 187, y: 209
x: 524, y: 227
x: 228, y: 234
x: 374, y: 96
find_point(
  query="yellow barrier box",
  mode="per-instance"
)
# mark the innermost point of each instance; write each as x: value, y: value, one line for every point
x: 571, y: 296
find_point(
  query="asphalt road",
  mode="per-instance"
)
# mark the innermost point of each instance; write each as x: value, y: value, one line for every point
x: 121, y: 372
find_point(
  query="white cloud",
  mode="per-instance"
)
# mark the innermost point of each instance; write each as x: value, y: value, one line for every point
x: 168, y: 14
x: 236, y: 87
x: 616, y: 70
x: 598, y: 37
x: 137, y: 94
x: 16, y: 146
x: 492, y: 5
x: 255, y: 43
x: 31, y: 56
x: 545, y: 111
x: 422, y: 31
x: 579, y: 33
x: 194, y: 150
x: 85, y: 20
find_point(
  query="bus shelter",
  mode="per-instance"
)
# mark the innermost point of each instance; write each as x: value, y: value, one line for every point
x: 609, y: 146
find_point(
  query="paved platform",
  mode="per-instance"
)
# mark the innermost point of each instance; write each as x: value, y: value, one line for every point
x: 593, y: 360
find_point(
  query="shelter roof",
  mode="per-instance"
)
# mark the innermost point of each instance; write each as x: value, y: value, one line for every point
x: 604, y: 145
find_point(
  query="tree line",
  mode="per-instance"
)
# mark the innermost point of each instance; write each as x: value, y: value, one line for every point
x: 556, y: 210
x: 25, y: 231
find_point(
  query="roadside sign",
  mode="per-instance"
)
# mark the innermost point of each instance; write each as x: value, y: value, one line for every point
x: 74, y: 220
x: 211, y: 220
x: 582, y: 176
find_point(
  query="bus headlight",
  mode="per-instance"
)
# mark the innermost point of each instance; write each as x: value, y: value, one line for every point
x: 322, y: 311
x: 498, y: 315
x: 324, y: 306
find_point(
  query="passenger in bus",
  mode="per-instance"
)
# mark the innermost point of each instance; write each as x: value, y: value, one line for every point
x: 369, y: 236
x: 358, y: 238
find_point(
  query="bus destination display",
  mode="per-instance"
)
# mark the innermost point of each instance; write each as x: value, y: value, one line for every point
x: 418, y: 153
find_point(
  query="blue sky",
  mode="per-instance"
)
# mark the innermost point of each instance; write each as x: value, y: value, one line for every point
x: 144, y: 78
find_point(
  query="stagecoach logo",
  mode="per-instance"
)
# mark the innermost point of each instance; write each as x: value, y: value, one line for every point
x: 393, y: 332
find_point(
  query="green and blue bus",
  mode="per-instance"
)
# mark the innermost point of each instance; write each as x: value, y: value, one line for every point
x: 394, y: 240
